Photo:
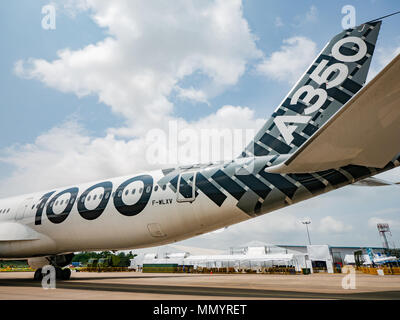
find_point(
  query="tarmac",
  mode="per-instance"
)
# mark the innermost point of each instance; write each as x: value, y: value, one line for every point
x: 169, y: 286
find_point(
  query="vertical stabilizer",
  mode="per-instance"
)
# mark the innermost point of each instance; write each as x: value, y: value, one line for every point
x: 335, y: 76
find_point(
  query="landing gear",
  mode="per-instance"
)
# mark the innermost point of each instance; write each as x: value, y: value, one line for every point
x: 38, y: 274
x: 61, y: 274
x: 58, y: 262
x: 65, y: 274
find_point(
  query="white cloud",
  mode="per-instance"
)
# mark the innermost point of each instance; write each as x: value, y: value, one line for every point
x: 192, y: 94
x: 312, y: 14
x: 382, y: 57
x: 279, y: 22
x: 152, y: 46
x: 388, y: 211
x: 330, y: 225
x: 393, y: 224
x: 291, y: 61
x: 67, y: 154
x: 151, y: 49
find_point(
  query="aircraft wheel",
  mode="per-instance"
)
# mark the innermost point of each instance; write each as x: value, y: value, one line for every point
x: 38, y: 274
x: 59, y: 273
x: 66, y: 274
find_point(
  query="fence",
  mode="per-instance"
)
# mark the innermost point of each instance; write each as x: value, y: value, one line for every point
x: 16, y: 269
x: 103, y: 269
x: 386, y: 270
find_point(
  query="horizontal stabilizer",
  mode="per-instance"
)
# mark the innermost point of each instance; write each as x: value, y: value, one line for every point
x: 375, y: 182
x: 364, y: 132
x: 13, y: 231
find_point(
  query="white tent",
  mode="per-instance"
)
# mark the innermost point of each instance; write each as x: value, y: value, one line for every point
x: 253, y: 257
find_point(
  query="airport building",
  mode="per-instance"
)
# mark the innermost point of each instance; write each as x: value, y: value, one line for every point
x: 316, y: 258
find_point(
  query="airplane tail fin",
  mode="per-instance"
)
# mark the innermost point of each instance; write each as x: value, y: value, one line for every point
x: 335, y: 76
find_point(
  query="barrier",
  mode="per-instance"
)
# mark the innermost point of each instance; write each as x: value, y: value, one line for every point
x: 261, y: 270
x: 386, y: 270
x: 103, y: 269
x: 11, y: 269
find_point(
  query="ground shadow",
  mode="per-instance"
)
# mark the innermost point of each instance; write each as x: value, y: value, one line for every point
x: 207, y: 292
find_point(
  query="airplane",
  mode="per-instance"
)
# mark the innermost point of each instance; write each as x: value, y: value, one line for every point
x: 330, y: 131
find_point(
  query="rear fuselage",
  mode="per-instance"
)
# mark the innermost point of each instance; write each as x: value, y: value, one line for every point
x: 158, y: 207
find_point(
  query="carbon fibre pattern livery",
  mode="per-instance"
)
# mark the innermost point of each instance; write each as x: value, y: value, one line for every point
x: 259, y: 192
x: 270, y: 140
x: 335, y: 76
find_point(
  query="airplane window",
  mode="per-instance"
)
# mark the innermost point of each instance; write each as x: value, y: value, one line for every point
x: 72, y: 201
x: 126, y: 192
x: 95, y: 196
x: 113, y: 194
x: 140, y: 190
x: 33, y: 207
x: 133, y: 191
x: 164, y: 187
x: 148, y: 189
x: 88, y: 198
x: 119, y: 193
x: 107, y: 195
x: 56, y: 202
x: 83, y: 199
x: 42, y: 205
x: 1, y: 210
x: 62, y: 201
x: 155, y: 188
x: 101, y: 196
x: 8, y: 210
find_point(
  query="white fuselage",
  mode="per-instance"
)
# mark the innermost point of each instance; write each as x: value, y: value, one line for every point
x: 163, y: 220
x: 157, y: 207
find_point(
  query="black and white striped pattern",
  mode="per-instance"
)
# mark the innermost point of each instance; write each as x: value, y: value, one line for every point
x: 269, y: 140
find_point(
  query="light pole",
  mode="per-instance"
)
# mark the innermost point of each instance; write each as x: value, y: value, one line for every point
x: 307, y: 221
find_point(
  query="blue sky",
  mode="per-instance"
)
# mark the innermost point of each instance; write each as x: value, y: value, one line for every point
x: 24, y: 101
x: 29, y: 104
x: 54, y: 104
